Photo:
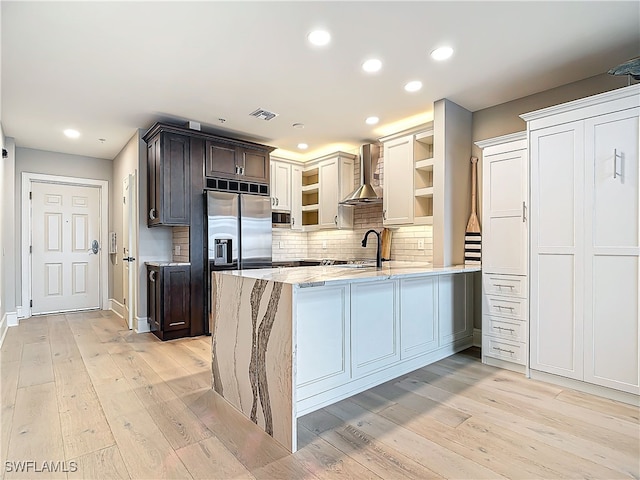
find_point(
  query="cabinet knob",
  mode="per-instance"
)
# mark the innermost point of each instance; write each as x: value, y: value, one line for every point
x: 384, y: 214
x: 335, y: 220
x: 152, y: 276
x: 152, y: 214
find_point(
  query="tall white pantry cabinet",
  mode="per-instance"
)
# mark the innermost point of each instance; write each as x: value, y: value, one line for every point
x: 504, y: 257
x: 584, y: 239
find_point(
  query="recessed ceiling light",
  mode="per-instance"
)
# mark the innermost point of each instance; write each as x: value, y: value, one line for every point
x: 413, y: 86
x: 319, y: 37
x: 298, y: 125
x: 372, y: 120
x: 303, y: 146
x: 442, y: 53
x: 372, y: 65
x: 71, y: 133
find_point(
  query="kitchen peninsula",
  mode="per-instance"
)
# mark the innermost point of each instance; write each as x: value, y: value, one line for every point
x: 288, y: 341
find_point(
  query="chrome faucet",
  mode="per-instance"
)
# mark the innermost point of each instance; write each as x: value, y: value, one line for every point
x: 378, y: 253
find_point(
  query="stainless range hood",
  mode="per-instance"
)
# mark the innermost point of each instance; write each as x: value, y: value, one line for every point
x: 364, y: 194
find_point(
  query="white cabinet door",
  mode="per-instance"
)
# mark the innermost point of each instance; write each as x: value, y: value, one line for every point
x: 557, y: 249
x: 375, y: 338
x: 296, y: 197
x: 505, y: 233
x: 612, y: 208
x: 335, y: 177
x: 455, y: 300
x: 280, y: 186
x: 329, y: 192
x: 418, y: 316
x: 322, y: 345
x: 397, y: 197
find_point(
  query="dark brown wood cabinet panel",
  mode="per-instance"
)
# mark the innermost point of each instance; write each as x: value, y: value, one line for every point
x: 220, y: 160
x: 168, y: 160
x: 175, y: 298
x: 255, y: 165
x: 153, y: 295
x: 168, y: 299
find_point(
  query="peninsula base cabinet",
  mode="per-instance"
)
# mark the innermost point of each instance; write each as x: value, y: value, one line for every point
x: 585, y: 215
x: 354, y: 336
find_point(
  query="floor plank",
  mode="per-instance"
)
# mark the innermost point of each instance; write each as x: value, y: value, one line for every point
x: 82, y: 388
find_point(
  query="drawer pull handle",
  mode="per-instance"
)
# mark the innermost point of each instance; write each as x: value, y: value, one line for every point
x: 500, y: 285
x: 176, y: 323
x: 507, y: 329
x: 501, y: 307
x: 503, y: 350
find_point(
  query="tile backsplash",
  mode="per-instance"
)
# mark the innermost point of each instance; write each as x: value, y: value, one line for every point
x: 346, y: 244
x: 180, y: 242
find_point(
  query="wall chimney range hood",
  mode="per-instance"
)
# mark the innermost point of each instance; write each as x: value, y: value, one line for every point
x: 365, y: 194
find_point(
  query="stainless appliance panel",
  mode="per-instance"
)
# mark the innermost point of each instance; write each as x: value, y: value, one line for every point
x: 255, y: 225
x: 223, y: 229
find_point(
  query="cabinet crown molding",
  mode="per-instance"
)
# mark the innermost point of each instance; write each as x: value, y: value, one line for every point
x: 618, y: 94
x: 408, y: 131
x: 167, y: 127
x: 339, y: 154
x: 511, y: 137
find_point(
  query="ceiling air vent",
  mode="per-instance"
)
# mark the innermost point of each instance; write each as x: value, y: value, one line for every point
x: 263, y: 114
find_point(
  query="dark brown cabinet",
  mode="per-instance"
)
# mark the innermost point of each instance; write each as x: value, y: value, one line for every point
x: 224, y: 160
x: 168, y: 290
x: 168, y: 161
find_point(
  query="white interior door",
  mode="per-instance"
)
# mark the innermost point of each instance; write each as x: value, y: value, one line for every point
x: 65, y: 241
x: 128, y: 248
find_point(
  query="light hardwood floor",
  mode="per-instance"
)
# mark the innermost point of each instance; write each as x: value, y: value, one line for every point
x: 81, y: 388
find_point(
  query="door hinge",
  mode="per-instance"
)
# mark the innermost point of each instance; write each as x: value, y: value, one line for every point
x: 124, y: 301
x: 30, y: 195
x: 30, y: 249
x: 31, y: 303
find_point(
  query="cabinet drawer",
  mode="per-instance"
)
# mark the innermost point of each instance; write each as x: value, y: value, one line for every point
x: 514, y: 308
x: 507, y: 285
x: 503, y: 349
x: 502, y: 328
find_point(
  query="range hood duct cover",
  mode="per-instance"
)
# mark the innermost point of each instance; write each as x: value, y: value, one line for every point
x: 364, y: 194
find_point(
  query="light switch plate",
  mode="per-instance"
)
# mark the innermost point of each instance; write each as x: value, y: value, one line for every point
x: 176, y: 250
x: 324, y: 244
x: 280, y: 244
x: 421, y: 244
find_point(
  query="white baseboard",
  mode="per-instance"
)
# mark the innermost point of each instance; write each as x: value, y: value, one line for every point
x: 477, y: 337
x: 12, y: 319
x: 610, y: 393
x: 142, y: 325
x: 116, y: 307
x: 23, y: 312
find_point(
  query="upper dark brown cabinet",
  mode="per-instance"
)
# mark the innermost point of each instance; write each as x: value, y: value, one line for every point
x: 236, y: 162
x: 168, y: 160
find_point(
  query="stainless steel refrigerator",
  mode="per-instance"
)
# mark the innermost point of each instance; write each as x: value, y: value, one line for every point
x: 238, y: 231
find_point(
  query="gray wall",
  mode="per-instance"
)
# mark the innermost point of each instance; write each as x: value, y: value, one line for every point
x: 52, y: 163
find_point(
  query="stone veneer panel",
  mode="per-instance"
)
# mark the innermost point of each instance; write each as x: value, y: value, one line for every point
x: 252, y: 354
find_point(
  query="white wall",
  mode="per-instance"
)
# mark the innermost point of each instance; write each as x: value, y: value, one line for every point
x: 3, y: 229
x: 150, y: 243
x: 50, y: 163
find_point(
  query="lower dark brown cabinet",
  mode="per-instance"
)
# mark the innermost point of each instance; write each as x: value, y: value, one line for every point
x: 168, y: 290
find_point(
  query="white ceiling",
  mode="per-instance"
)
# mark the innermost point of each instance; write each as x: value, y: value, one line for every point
x: 107, y: 68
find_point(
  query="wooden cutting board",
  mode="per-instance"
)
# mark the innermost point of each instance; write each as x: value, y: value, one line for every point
x: 386, y: 244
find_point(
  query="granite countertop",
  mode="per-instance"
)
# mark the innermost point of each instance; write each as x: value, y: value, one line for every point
x: 302, y: 276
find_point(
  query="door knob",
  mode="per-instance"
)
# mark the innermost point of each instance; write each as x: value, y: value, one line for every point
x: 95, y: 247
